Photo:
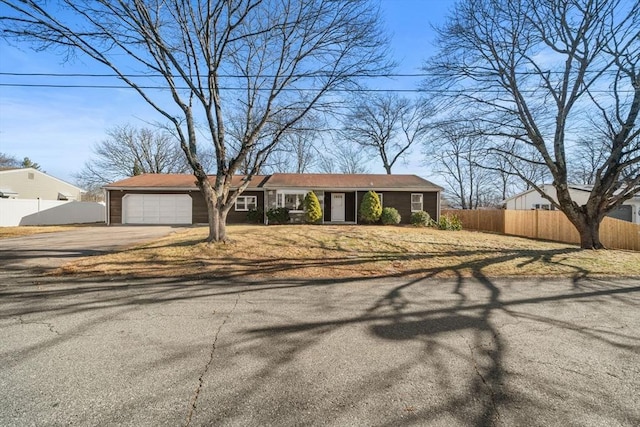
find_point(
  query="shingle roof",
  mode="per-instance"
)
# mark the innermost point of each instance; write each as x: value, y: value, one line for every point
x: 174, y: 181
x: 283, y: 180
x: 337, y: 181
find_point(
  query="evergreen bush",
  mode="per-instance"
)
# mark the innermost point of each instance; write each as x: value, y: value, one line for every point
x: 450, y: 222
x: 370, y: 209
x: 312, y: 209
x: 255, y: 216
x: 390, y: 216
x: 421, y: 219
x: 278, y: 216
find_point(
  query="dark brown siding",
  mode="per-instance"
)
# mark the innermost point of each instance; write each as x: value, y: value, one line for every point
x: 115, y: 207
x: 430, y: 201
x: 327, y: 206
x: 200, y: 215
x: 199, y: 209
x: 401, y: 200
x: 235, y: 217
x: 350, y: 206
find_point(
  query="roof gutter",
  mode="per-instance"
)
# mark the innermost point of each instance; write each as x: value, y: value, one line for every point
x: 345, y: 189
x: 152, y: 188
x: 194, y: 188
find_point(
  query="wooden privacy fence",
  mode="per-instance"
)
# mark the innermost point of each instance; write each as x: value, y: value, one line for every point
x: 547, y: 225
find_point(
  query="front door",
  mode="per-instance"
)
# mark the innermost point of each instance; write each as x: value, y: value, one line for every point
x: 337, y: 206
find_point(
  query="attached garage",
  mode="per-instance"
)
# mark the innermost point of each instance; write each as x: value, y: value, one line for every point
x: 171, y: 199
x: 156, y: 209
x: 624, y: 212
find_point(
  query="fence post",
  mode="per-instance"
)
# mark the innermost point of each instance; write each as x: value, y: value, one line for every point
x: 504, y: 221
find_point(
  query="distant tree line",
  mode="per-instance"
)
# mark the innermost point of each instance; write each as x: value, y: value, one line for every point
x: 8, y: 161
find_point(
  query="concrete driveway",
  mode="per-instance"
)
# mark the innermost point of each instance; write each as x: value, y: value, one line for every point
x: 468, y: 352
x: 50, y: 250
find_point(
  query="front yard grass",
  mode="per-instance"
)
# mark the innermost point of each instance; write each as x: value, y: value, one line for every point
x: 305, y: 251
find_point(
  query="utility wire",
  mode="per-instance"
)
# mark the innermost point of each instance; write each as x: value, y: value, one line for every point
x: 237, y: 76
x: 220, y: 75
x: 359, y: 90
x: 80, y: 86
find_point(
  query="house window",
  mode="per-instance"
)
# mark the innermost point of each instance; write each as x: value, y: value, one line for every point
x: 416, y: 202
x: 544, y: 207
x: 292, y: 201
x: 30, y: 175
x: 380, y: 197
x: 246, y: 203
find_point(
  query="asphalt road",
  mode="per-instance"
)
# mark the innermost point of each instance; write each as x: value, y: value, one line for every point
x: 340, y: 353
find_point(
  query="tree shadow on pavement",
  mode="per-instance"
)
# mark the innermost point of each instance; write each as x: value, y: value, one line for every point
x: 487, y: 398
x: 456, y: 344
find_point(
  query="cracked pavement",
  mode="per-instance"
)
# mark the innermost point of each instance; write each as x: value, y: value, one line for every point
x: 165, y: 352
x: 194, y: 402
x: 386, y: 352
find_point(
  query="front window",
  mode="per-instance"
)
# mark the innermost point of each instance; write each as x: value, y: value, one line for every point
x: 246, y: 203
x: 292, y: 201
x: 416, y: 202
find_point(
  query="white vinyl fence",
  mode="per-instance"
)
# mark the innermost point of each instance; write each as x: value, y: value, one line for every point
x: 49, y: 212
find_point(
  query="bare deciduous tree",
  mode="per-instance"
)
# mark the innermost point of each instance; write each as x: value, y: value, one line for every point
x: 267, y: 62
x: 8, y: 161
x: 507, y: 172
x: 387, y: 125
x: 531, y: 71
x: 343, y: 157
x: 128, y: 148
x: 457, y: 154
x: 504, y: 182
x: 589, y: 155
x: 298, y: 151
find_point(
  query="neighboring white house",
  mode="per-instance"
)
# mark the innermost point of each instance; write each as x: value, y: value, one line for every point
x: 531, y: 199
x: 31, y: 197
x: 30, y: 183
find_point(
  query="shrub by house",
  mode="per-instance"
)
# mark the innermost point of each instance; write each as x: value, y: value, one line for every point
x: 421, y: 219
x: 278, y: 216
x: 312, y: 209
x: 370, y: 209
x: 390, y: 216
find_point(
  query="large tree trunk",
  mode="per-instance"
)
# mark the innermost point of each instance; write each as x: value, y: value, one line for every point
x: 217, y: 224
x: 217, y: 214
x: 216, y: 211
x: 214, y: 222
x: 588, y: 227
x: 585, y: 218
x: 590, y: 235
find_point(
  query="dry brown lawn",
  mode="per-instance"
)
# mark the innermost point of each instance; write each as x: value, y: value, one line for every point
x: 8, y: 232
x: 303, y: 251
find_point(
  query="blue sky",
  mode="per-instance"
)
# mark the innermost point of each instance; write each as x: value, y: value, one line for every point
x: 57, y: 127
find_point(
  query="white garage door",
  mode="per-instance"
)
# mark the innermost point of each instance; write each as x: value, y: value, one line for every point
x: 156, y: 209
